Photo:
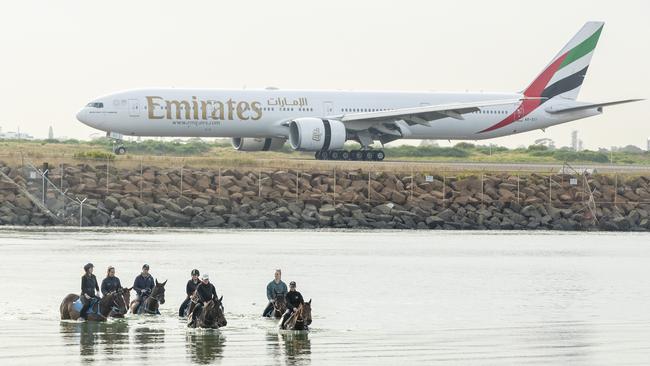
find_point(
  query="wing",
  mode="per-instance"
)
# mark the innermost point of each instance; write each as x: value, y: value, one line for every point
x: 417, y: 115
x: 394, y: 124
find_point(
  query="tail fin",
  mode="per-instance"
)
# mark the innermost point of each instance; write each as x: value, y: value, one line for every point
x: 564, y: 75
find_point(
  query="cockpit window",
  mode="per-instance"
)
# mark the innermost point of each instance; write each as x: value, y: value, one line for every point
x: 95, y: 105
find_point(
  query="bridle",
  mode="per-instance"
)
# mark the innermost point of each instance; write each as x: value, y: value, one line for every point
x: 158, y: 297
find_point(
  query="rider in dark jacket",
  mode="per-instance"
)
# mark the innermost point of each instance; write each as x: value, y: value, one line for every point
x: 205, y: 292
x: 88, y: 288
x: 110, y: 283
x: 189, y: 290
x: 143, y: 285
x: 294, y: 300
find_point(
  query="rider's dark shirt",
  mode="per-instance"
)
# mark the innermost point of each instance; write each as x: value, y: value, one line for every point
x: 110, y: 284
x: 294, y: 299
x: 191, y: 286
x: 206, y: 292
x: 89, y: 285
x: 143, y: 283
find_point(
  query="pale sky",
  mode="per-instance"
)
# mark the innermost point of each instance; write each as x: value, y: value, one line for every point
x: 58, y: 55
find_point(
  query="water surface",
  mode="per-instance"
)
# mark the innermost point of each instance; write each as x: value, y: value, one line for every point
x: 378, y: 297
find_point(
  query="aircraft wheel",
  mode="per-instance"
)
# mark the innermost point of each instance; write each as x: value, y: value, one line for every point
x: 120, y: 150
x: 318, y: 156
x: 345, y: 155
x: 380, y: 155
x: 355, y: 155
x: 325, y: 155
x: 365, y: 155
x: 335, y: 155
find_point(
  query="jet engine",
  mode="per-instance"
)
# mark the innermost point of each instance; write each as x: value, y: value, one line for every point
x: 315, y: 134
x: 257, y: 144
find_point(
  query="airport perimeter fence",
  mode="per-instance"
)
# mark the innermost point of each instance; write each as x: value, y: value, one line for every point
x: 73, y: 189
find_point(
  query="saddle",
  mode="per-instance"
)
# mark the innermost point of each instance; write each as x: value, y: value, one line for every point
x: 93, y: 309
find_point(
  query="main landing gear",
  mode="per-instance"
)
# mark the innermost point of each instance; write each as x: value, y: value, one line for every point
x: 357, y: 155
x: 119, y: 150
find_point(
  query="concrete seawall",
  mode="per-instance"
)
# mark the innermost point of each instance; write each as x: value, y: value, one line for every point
x: 272, y: 198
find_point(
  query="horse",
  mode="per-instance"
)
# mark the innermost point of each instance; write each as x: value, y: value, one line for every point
x: 211, y: 316
x: 300, y: 319
x: 194, y: 299
x: 113, y: 302
x: 279, y: 306
x: 152, y: 302
x: 126, y: 295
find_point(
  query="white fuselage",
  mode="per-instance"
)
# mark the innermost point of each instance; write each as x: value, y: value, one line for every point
x: 264, y: 113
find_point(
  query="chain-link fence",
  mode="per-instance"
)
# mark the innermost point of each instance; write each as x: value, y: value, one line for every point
x: 88, y: 191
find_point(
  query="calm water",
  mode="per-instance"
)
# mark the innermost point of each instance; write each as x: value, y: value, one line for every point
x: 378, y: 297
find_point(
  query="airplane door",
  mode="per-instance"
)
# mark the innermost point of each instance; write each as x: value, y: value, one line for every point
x: 328, y: 108
x: 134, y: 108
x: 519, y: 113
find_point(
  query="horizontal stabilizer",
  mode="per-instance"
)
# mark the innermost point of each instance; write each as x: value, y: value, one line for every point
x: 552, y: 110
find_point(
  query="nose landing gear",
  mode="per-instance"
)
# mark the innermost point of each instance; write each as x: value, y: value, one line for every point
x: 356, y: 155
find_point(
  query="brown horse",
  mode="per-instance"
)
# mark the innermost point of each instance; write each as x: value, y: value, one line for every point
x: 211, y: 316
x: 279, y: 306
x: 113, y: 301
x: 300, y: 319
x: 126, y: 295
x: 152, y: 302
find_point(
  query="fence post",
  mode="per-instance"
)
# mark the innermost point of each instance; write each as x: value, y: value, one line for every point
x: 334, y: 188
x: 550, y: 187
x: 107, y: 173
x: 43, y: 193
x: 412, y: 182
x: 517, y: 188
x: 259, y: 182
x: 615, y: 187
x: 81, y: 210
x: 141, y: 177
x: 368, y: 199
x: 181, y: 180
x: 297, y: 185
x: 482, y: 187
x: 444, y: 183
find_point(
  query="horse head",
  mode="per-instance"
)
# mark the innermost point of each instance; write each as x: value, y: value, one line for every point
x: 306, y: 312
x: 221, y: 318
x: 158, y: 292
x: 280, y: 303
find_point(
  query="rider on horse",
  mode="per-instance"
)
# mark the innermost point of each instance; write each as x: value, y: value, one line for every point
x: 143, y: 285
x: 273, y: 289
x: 294, y: 300
x: 189, y: 290
x: 110, y: 283
x: 205, y: 292
x: 88, y: 288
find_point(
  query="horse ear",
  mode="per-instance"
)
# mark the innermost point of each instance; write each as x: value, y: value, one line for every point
x: 130, y: 288
x: 164, y: 283
x: 309, y: 302
x: 156, y: 282
x: 221, y: 298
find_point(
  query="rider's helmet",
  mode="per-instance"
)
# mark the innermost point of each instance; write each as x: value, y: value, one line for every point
x: 88, y: 266
x: 205, y: 277
x: 145, y: 266
x: 292, y: 283
x: 195, y: 272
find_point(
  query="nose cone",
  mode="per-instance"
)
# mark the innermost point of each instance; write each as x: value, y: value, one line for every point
x: 82, y: 116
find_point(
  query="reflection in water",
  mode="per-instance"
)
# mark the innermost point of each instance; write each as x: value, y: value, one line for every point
x: 204, y: 346
x: 295, y: 344
x: 95, y: 336
x: 149, y: 339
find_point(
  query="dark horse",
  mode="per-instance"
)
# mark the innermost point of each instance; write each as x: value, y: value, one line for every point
x: 113, y: 302
x: 126, y: 297
x: 279, y: 306
x: 211, y: 316
x: 300, y: 319
x: 151, y: 302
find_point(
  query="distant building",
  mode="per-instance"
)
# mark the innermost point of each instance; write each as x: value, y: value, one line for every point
x: 647, y: 142
x: 50, y: 134
x: 16, y: 136
x: 574, y: 140
x: 427, y: 143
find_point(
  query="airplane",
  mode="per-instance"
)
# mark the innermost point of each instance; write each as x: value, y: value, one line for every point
x: 322, y: 121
